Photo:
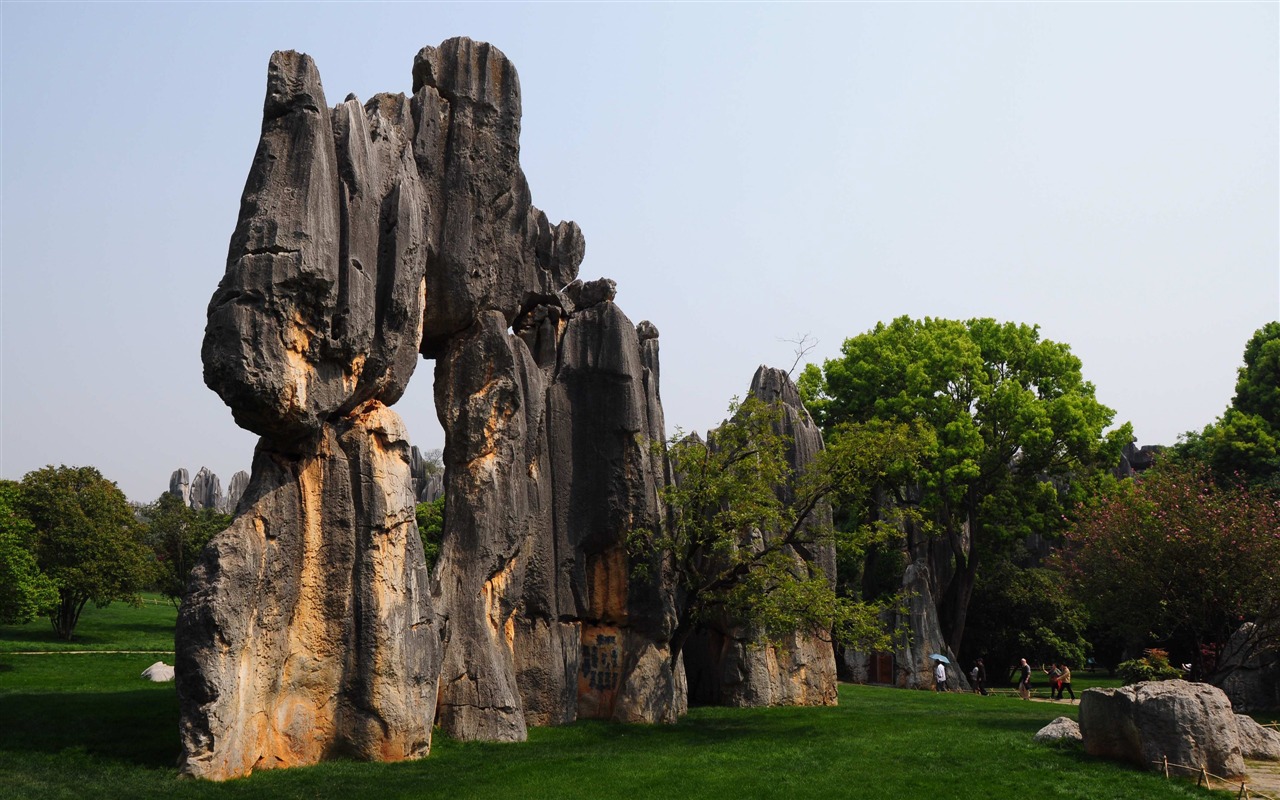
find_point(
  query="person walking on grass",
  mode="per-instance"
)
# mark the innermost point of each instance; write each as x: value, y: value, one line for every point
x: 978, y: 676
x: 940, y: 677
x: 1024, y: 682
x: 1064, y: 682
x: 1055, y: 680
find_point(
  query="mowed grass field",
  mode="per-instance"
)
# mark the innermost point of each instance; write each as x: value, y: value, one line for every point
x: 76, y: 725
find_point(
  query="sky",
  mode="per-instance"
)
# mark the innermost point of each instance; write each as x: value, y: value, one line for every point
x: 749, y: 174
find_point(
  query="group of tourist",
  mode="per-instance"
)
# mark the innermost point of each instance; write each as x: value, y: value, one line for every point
x: 1059, y: 678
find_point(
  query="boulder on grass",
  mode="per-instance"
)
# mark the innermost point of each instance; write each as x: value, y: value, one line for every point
x: 1190, y: 724
x: 1256, y: 741
x: 158, y: 672
x: 1062, y: 728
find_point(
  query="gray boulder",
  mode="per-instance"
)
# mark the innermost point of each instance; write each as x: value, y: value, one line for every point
x: 1190, y: 724
x: 1249, y: 668
x: 158, y: 672
x: 1061, y: 729
x: 1256, y: 741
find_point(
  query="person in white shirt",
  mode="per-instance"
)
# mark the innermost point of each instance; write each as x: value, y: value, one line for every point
x: 940, y: 677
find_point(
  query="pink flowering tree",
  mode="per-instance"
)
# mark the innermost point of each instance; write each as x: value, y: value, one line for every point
x: 1176, y: 557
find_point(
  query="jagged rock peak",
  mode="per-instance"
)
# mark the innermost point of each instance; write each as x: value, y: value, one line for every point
x: 591, y: 293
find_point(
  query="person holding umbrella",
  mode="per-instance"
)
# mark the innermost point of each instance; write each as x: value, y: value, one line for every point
x: 940, y: 672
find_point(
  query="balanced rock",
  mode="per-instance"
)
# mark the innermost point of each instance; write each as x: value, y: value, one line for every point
x: 1062, y: 728
x: 1190, y: 724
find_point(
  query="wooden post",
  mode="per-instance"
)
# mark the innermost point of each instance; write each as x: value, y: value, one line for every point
x: 1166, y: 768
x: 1204, y: 776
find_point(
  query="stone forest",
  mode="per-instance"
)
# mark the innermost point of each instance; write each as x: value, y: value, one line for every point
x: 371, y: 237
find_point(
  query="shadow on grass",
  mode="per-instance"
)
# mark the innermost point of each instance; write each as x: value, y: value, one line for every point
x: 139, y: 727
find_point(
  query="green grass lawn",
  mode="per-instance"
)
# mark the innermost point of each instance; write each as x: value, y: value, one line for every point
x: 74, y: 726
x: 119, y: 626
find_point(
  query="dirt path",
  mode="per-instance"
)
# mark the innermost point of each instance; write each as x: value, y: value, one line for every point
x: 1264, y: 777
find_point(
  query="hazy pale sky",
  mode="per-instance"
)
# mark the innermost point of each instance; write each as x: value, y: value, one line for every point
x: 746, y: 172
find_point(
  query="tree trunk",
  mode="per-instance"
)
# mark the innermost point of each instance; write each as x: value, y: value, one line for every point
x: 66, y: 616
x: 963, y: 581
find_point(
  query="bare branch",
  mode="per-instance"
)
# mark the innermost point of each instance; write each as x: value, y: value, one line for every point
x: 803, y: 344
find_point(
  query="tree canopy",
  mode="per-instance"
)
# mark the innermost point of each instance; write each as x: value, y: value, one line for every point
x: 1245, y: 440
x: 87, y: 540
x: 736, y: 539
x: 1015, y: 435
x: 177, y: 533
x: 1175, y: 556
x: 25, y: 592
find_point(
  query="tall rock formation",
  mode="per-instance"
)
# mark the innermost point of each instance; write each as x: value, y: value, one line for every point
x: 731, y: 664
x: 205, y: 491
x: 367, y: 235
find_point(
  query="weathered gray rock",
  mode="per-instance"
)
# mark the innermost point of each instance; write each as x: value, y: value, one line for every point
x: 729, y: 664
x: 428, y: 475
x: 368, y: 235
x: 180, y: 486
x: 1249, y: 669
x: 235, y: 490
x: 1191, y: 724
x: 1256, y: 741
x: 1062, y: 728
x: 158, y: 672
x: 491, y: 414
x: 206, y: 490
x: 914, y: 667
x: 603, y: 411
x: 307, y: 628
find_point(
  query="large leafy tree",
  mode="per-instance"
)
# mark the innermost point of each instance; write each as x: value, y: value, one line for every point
x: 25, y: 592
x: 741, y: 523
x: 1176, y: 557
x: 87, y: 540
x: 177, y: 533
x: 1245, y: 440
x: 1016, y: 436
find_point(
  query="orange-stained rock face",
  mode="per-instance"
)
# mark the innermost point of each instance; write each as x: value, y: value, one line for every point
x: 339, y: 651
x: 609, y: 578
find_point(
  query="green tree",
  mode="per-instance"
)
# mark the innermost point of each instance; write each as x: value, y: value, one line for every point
x: 431, y: 528
x: 1016, y: 436
x: 25, y: 592
x: 86, y: 540
x: 740, y: 522
x: 177, y: 533
x: 1245, y: 440
x: 1176, y: 557
x: 1026, y: 613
